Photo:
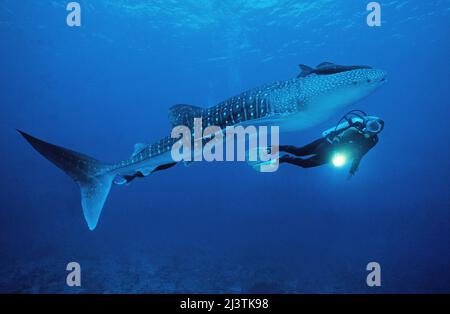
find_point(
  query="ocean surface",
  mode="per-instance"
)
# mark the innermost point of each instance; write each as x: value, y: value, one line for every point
x: 221, y: 227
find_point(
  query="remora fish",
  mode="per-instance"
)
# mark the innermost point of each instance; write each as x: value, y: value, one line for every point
x: 325, y: 68
x: 293, y: 105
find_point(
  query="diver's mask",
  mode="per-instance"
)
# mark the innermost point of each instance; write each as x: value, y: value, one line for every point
x: 373, y: 125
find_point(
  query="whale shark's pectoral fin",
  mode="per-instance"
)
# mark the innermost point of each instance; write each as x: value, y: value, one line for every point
x: 184, y: 114
x: 305, y: 70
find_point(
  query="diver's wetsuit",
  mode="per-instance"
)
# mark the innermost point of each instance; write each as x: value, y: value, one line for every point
x: 352, y: 141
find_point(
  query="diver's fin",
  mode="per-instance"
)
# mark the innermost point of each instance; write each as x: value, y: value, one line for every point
x: 138, y: 147
x: 305, y: 70
x: 184, y: 114
x: 258, y: 164
x: 91, y: 175
x: 264, y: 166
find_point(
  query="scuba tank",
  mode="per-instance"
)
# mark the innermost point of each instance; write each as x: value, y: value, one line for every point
x: 365, y: 123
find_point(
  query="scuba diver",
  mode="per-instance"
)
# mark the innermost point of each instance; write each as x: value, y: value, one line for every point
x: 351, y: 139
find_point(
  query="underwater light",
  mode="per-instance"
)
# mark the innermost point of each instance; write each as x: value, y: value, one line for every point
x: 339, y: 160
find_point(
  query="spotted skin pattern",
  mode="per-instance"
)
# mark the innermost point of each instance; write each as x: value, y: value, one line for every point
x: 276, y: 100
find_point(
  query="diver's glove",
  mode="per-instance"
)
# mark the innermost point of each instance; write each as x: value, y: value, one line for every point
x: 351, y: 173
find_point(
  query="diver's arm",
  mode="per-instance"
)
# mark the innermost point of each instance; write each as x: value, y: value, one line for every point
x: 350, y: 131
x: 359, y: 157
x: 355, y: 164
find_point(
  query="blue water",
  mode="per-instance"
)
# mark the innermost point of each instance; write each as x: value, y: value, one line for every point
x: 221, y: 227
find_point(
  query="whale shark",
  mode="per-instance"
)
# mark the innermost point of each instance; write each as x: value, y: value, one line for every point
x: 294, y: 105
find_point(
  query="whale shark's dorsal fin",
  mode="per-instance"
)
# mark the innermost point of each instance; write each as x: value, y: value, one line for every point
x: 138, y: 147
x: 305, y: 70
x: 183, y: 114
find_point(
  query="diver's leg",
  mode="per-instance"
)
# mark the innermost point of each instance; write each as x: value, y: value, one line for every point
x: 306, y: 150
x: 313, y: 161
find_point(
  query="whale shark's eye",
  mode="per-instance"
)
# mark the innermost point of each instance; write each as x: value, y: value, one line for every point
x: 368, y: 81
x: 354, y: 82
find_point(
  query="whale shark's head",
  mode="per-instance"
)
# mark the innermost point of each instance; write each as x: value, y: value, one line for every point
x: 319, y: 95
x: 338, y: 90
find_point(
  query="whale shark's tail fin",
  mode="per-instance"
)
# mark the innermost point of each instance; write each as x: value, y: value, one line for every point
x: 92, y: 176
